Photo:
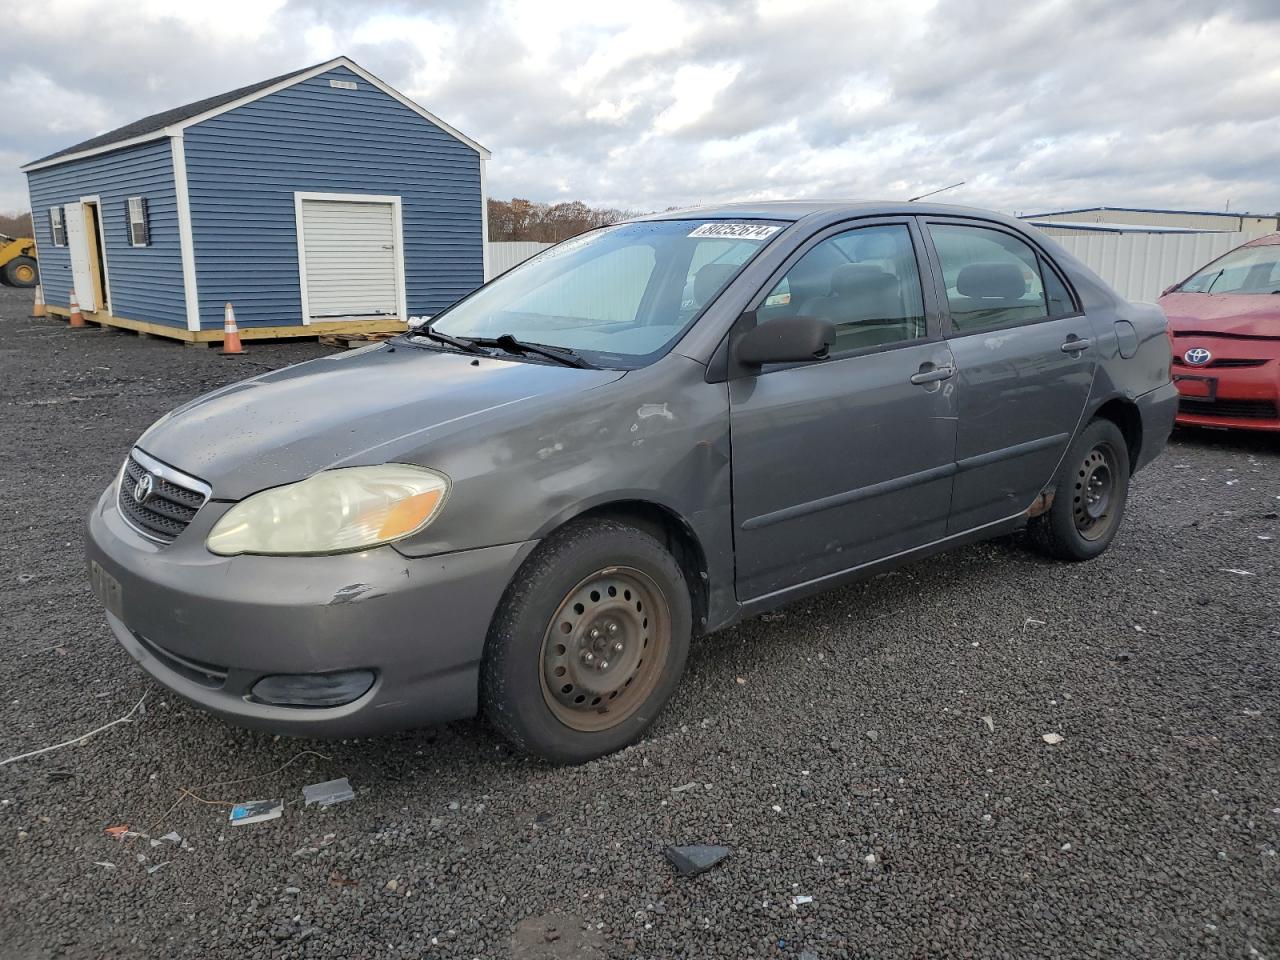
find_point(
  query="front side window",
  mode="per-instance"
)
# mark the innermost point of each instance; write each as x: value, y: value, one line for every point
x: 1244, y: 270
x: 992, y: 279
x: 139, y: 224
x: 864, y: 281
x: 618, y: 296
x: 56, y: 227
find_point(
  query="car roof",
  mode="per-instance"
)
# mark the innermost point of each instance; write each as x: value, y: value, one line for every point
x: 793, y: 210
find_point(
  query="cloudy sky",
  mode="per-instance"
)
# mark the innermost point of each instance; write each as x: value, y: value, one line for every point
x: 648, y: 103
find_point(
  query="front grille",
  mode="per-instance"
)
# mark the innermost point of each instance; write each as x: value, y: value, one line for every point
x: 1226, y: 362
x: 171, y: 505
x: 1243, y: 409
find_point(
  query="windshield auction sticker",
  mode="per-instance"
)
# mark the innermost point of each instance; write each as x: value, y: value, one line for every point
x: 736, y: 231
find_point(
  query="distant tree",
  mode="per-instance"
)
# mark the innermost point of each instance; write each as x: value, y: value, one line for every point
x: 15, y: 224
x: 520, y: 219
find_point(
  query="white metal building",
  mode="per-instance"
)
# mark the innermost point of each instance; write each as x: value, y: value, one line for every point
x: 1118, y: 218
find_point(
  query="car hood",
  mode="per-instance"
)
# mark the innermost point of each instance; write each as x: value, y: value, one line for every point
x: 368, y: 406
x: 1227, y: 314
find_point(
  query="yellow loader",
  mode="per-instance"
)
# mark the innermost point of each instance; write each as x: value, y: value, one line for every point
x: 18, y: 262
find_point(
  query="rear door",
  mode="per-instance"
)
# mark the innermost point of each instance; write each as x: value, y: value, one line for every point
x: 1025, y: 364
x: 840, y: 462
x: 350, y: 258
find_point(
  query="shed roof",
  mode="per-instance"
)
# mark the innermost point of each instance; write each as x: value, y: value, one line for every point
x: 168, y: 121
x: 166, y: 118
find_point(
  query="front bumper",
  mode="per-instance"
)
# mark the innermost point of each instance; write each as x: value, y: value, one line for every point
x: 209, y: 627
x: 1236, y: 398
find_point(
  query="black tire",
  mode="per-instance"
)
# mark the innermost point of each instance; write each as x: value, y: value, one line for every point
x: 1088, y: 504
x: 21, y: 272
x: 523, y: 649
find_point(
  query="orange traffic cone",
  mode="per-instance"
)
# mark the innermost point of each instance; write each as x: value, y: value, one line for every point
x: 38, y: 309
x: 231, y: 333
x: 77, y: 318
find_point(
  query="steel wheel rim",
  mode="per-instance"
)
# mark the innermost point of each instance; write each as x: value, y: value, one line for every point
x: 24, y: 273
x: 605, y: 649
x: 1094, y: 501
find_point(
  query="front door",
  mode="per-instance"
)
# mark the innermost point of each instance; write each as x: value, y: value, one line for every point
x: 97, y: 258
x: 1024, y: 363
x: 848, y: 460
x: 79, y: 242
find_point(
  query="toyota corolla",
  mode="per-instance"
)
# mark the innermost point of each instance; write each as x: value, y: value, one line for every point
x: 1225, y: 323
x: 531, y: 505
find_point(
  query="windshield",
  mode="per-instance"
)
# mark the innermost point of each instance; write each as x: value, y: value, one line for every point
x: 619, y: 296
x: 1243, y: 270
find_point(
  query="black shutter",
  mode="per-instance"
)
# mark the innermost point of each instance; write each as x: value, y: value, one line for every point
x: 146, y: 223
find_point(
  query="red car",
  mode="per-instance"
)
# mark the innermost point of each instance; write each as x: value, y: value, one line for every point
x: 1224, y: 321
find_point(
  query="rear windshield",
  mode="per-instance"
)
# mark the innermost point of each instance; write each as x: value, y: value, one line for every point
x: 618, y: 297
x: 1244, y: 270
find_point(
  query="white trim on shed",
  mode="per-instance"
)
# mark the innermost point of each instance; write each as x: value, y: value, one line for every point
x: 186, y: 241
x: 484, y: 221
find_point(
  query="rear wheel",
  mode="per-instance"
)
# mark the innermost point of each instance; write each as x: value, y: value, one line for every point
x: 588, y: 643
x: 1089, y: 502
x: 21, y: 272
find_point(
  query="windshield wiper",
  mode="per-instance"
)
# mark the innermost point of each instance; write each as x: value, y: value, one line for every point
x: 509, y: 343
x: 467, y: 346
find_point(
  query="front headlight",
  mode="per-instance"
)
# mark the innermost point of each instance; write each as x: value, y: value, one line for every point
x: 333, y: 512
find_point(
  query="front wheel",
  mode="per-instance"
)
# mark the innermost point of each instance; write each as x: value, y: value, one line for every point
x: 588, y: 643
x: 1089, y: 502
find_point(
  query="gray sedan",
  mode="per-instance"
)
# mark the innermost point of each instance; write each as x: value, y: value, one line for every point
x: 533, y: 504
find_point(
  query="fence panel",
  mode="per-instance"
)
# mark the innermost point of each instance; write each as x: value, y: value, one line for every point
x: 1141, y: 265
x: 505, y: 254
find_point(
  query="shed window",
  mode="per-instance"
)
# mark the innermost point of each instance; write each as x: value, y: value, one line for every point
x: 139, y: 223
x: 56, y: 228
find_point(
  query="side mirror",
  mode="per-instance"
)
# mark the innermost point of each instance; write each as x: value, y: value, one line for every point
x: 786, y: 340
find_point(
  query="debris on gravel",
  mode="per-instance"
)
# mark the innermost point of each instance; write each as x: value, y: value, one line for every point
x: 696, y: 858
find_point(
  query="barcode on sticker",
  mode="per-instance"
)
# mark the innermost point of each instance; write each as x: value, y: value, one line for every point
x: 736, y: 231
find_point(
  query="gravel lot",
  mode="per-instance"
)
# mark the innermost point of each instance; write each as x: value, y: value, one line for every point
x: 840, y: 747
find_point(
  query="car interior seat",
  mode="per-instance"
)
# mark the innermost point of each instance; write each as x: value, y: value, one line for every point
x: 992, y: 292
x: 865, y: 304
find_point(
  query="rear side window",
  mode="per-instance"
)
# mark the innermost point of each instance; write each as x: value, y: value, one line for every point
x: 992, y: 278
x: 56, y: 227
x: 1056, y: 292
x: 864, y: 281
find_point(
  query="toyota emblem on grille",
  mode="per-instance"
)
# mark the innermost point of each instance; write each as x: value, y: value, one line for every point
x: 1197, y: 356
x: 143, y: 489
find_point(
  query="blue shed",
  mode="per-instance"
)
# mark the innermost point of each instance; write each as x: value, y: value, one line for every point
x: 322, y: 201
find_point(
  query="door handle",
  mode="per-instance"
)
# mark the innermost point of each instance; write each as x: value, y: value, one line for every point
x: 1076, y: 344
x: 932, y: 374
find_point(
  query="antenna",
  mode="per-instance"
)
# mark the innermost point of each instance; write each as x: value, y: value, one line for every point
x: 939, y: 190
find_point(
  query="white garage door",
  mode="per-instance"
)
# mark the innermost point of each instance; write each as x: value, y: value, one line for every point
x: 350, y: 259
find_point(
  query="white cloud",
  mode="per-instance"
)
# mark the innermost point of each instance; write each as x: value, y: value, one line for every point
x: 695, y: 89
